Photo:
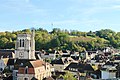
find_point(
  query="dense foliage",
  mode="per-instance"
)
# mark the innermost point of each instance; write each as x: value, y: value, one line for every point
x: 63, y: 39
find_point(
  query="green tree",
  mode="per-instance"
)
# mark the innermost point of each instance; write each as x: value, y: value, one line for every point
x: 68, y: 76
x: 3, y: 42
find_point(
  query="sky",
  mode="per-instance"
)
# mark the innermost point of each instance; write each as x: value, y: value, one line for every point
x: 82, y: 15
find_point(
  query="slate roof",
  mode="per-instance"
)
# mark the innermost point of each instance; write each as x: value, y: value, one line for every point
x: 37, y: 55
x: 10, y: 62
x: 109, y: 63
x: 31, y: 63
x: 75, y: 57
x: 48, y: 78
x: 57, y: 61
x: 34, y: 78
x: 80, y: 67
x: 117, y: 58
x: 66, y: 55
x: 20, y: 62
x: 6, y: 53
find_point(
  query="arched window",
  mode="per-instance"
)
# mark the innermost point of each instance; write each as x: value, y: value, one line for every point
x: 25, y: 78
x: 1, y: 69
x: 20, y: 42
x: 26, y: 70
x: 23, y: 43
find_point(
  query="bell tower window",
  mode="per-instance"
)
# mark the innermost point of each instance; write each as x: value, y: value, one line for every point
x: 20, y: 42
x: 23, y: 43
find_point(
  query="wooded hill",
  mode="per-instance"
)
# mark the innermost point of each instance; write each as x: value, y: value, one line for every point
x: 63, y: 39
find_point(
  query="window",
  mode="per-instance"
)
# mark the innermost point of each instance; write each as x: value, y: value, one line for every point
x: 25, y: 78
x: 26, y: 70
x: 1, y: 69
x: 20, y: 42
x: 16, y: 73
x: 23, y: 43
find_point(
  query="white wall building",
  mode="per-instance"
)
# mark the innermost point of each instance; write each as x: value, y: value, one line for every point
x: 25, y: 46
x: 109, y: 73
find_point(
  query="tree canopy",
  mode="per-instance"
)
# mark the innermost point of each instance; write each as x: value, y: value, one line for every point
x: 59, y: 39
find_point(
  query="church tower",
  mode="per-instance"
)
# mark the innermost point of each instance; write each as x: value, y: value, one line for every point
x: 25, y: 46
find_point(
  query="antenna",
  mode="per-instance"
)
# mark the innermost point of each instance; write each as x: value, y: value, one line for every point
x: 52, y: 25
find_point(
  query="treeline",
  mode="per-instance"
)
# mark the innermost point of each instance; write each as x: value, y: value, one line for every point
x: 63, y: 39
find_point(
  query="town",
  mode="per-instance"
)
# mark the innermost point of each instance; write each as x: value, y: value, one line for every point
x: 24, y: 63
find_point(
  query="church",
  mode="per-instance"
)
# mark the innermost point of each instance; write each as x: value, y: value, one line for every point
x: 26, y: 66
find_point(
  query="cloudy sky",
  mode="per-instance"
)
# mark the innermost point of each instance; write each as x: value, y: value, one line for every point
x: 82, y: 15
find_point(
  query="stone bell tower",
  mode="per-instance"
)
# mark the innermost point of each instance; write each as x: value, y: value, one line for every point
x: 25, y: 46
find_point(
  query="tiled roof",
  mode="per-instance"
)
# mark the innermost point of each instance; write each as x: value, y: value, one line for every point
x: 80, y: 66
x: 57, y: 61
x: 37, y: 63
x: 117, y: 58
x: 6, y: 53
x: 75, y: 57
x: 109, y: 63
x: 10, y: 62
x: 21, y: 62
x: 34, y: 78
x: 31, y: 65
x: 48, y: 78
x: 5, y: 60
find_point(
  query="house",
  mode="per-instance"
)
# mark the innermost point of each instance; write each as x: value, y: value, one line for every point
x: 48, y: 55
x: 10, y: 64
x: 75, y: 55
x: 37, y: 69
x: 84, y: 55
x: 92, y: 54
x: 6, y: 53
x: 60, y: 64
x: 99, y: 59
x: 81, y: 70
x: 3, y: 63
x: 109, y: 64
x: 63, y: 53
x: 108, y: 73
x: 27, y: 65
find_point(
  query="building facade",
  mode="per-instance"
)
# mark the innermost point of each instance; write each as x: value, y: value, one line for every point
x: 26, y: 67
x: 25, y: 46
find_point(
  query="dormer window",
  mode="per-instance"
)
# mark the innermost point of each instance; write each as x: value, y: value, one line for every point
x: 21, y: 64
x: 1, y: 57
x: 25, y: 78
x: 8, y: 56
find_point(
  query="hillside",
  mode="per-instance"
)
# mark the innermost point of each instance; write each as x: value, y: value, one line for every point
x: 63, y: 39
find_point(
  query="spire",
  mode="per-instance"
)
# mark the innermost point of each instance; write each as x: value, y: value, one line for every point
x: 33, y: 32
x: 32, y: 43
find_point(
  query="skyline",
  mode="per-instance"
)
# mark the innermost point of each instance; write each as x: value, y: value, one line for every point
x: 82, y: 15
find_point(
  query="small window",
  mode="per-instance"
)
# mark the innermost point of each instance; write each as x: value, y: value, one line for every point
x: 23, y: 43
x: 26, y: 70
x: 25, y: 78
x: 20, y: 43
x: 1, y: 69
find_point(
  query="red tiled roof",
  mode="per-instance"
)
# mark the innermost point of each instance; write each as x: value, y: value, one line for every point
x: 37, y: 63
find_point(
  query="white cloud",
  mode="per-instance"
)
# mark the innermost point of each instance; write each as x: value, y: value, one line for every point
x: 27, y: 1
x: 116, y: 7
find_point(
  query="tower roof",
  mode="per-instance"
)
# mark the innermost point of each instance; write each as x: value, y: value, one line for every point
x: 24, y: 35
